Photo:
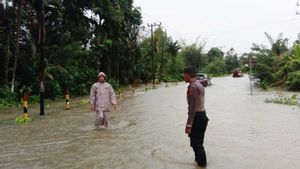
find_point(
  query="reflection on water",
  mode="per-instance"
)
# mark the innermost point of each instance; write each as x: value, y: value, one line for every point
x: 147, y: 131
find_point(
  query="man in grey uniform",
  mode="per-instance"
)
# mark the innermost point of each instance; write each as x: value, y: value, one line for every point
x: 197, y: 119
x: 102, y: 98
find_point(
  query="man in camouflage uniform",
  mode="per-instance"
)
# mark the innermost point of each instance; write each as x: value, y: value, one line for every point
x: 197, y: 119
x: 102, y: 98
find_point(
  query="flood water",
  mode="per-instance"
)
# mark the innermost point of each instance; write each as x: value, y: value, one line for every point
x: 147, y: 132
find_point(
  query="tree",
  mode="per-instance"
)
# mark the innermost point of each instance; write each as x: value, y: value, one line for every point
x: 231, y: 61
x: 216, y: 67
x: 215, y: 53
x: 194, y: 56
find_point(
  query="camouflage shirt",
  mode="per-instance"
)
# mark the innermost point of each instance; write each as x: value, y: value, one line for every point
x: 102, y: 96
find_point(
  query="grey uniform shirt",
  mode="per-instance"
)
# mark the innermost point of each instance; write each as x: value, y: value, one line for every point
x: 195, y: 99
x: 102, y: 96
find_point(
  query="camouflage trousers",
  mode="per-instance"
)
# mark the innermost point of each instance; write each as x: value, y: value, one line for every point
x: 101, y: 118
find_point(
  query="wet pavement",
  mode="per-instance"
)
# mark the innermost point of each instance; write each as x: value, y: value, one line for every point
x: 147, y: 132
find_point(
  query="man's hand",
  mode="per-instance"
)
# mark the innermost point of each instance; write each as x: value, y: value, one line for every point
x: 93, y: 107
x: 115, y: 107
x: 188, y: 130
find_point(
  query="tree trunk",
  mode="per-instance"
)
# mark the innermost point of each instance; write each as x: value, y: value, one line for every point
x: 6, y: 63
x: 17, y: 47
x: 7, y: 52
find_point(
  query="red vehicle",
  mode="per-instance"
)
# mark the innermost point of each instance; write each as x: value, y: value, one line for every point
x: 237, y: 73
x: 204, y: 79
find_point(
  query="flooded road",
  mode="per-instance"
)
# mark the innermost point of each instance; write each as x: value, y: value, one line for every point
x: 147, y: 132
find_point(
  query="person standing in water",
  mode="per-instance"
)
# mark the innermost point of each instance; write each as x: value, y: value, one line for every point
x: 102, y: 98
x: 197, y: 119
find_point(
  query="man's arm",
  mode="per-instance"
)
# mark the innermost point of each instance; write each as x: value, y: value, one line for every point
x: 93, y: 97
x: 112, y: 96
x: 192, y: 96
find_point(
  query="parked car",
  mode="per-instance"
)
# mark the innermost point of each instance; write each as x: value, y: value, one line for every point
x: 204, y: 79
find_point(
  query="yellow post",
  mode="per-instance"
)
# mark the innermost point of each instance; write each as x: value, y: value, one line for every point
x: 25, y: 117
x: 67, y: 96
x: 25, y: 106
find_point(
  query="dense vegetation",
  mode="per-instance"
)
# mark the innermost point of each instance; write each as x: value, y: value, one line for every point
x: 85, y: 37
x: 279, y: 65
x: 82, y: 38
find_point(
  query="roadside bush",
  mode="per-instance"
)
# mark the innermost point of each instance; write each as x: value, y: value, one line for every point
x: 172, y: 78
x: 283, y: 100
x: 113, y: 83
x: 293, y: 81
x: 7, y: 98
x: 53, y: 89
x: 216, y: 68
x: 264, y: 85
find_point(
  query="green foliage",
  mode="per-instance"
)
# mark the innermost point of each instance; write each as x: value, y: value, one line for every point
x: 194, y: 56
x: 218, y: 65
x: 84, y: 101
x: 265, y: 61
x: 83, y: 38
x: 215, y: 53
x: 114, y: 83
x: 215, y: 68
x: 293, y: 80
x: 7, y: 98
x: 22, y: 120
x: 231, y: 62
x: 283, y: 100
x: 264, y: 85
x: 278, y: 66
x: 173, y: 78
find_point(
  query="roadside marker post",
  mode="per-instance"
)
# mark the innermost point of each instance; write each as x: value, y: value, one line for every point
x: 67, y: 96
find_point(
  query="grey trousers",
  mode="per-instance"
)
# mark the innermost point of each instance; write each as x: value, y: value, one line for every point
x: 101, y: 118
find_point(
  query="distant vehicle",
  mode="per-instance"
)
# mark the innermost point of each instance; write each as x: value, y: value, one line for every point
x: 204, y: 79
x: 237, y: 73
x: 255, y: 80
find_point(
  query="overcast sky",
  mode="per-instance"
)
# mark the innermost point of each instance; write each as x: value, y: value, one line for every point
x: 224, y: 23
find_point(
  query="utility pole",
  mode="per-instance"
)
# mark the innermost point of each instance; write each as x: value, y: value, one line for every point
x: 251, y: 77
x: 42, y: 58
x: 162, y: 56
x: 153, y: 50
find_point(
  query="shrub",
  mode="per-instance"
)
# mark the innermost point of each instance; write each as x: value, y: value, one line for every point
x: 293, y: 81
x: 7, y: 98
x: 264, y: 85
x: 113, y: 83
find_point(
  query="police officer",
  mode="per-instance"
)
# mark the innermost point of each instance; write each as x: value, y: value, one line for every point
x: 102, y: 98
x: 197, y: 119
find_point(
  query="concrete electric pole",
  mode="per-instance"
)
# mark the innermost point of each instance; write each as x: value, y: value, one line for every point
x: 153, y: 51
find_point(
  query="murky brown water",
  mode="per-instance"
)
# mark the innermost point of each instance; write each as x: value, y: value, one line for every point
x: 147, y: 132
